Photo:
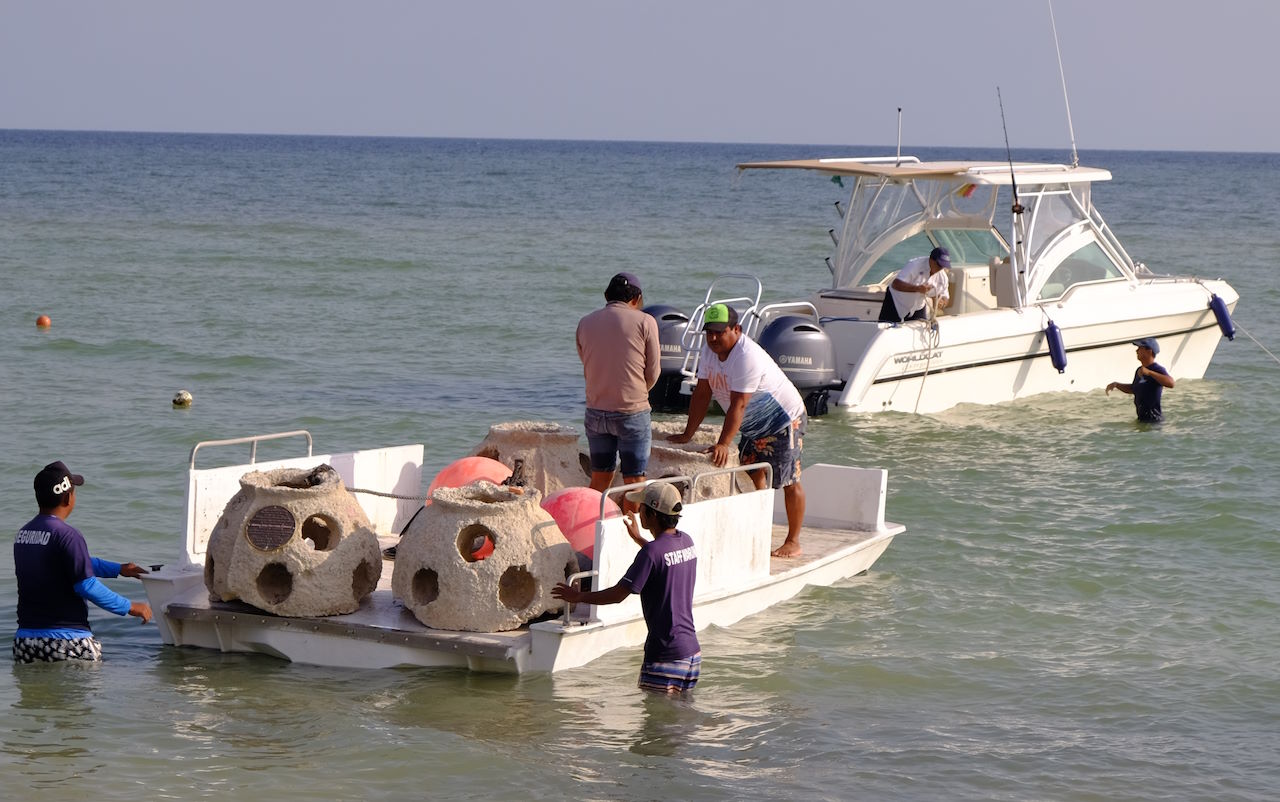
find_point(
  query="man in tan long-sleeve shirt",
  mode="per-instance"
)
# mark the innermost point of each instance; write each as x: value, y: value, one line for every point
x: 618, y: 346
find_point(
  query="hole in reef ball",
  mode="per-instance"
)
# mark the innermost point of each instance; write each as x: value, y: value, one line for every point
x: 322, y: 531
x: 364, y: 578
x: 426, y: 586
x: 517, y: 587
x: 475, y: 542
x: 275, y: 583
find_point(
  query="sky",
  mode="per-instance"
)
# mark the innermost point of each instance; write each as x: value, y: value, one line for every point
x: 1140, y: 74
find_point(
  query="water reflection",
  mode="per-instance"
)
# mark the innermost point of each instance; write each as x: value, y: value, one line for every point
x: 49, y: 730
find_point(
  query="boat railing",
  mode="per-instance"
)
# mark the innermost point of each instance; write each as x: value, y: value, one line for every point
x: 569, y: 580
x: 253, y: 441
x: 749, y: 318
x: 690, y: 483
x: 747, y: 469
x: 735, y: 526
x: 770, y: 311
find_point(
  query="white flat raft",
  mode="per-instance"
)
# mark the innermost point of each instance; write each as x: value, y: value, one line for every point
x: 844, y: 534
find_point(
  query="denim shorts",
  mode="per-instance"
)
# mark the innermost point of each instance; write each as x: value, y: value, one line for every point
x: 610, y: 434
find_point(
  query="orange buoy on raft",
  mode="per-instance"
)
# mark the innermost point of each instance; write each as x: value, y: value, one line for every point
x: 576, y: 511
x: 43, y: 322
x: 464, y: 471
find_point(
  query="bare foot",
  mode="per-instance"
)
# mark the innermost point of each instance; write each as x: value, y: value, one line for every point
x: 789, y: 548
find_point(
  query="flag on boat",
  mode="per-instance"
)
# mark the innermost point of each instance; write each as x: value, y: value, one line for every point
x: 966, y: 190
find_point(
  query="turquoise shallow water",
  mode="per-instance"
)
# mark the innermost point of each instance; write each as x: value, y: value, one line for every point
x: 1082, y: 607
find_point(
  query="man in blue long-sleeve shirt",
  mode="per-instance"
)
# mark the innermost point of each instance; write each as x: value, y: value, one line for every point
x: 56, y: 576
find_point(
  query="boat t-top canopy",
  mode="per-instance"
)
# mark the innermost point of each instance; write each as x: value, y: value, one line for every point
x: 908, y: 168
x: 900, y: 207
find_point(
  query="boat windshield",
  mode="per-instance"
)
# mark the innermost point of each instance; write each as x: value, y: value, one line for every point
x: 891, y: 221
x: 1088, y: 263
x: 966, y: 246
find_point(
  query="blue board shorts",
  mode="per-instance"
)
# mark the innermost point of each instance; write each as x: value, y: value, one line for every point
x: 610, y: 434
x: 672, y: 676
x: 782, y: 450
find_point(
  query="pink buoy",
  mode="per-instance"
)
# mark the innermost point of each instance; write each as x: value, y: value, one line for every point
x: 464, y: 471
x: 576, y: 511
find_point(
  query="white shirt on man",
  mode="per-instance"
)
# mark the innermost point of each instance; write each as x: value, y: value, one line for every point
x: 775, y: 401
x: 916, y: 271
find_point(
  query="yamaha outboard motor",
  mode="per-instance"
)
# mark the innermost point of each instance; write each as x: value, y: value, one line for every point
x: 665, y: 395
x: 806, y: 355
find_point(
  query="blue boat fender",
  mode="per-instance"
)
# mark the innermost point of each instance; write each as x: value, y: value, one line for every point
x: 1219, y: 308
x: 1057, y: 351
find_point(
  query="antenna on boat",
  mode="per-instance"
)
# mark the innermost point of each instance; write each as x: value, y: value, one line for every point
x: 1075, y: 157
x: 1013, y: 180
x: 899, y: 161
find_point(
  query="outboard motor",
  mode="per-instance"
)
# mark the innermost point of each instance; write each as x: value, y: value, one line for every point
x: 806, y: 355
x: 665, y: 395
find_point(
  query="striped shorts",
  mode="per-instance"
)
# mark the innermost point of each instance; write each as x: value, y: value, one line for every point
x: 674, y: 676
x: 52, y: 650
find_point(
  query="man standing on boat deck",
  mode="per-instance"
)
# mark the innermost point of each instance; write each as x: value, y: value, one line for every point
x: 663, y: 574
x: 621, y: 361
x: 760, y: 403
x: 1149, y: 382
x: 56, y: 575
x: 920, y: 279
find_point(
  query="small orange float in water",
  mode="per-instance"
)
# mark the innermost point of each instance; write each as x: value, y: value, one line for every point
x: 43, y: 322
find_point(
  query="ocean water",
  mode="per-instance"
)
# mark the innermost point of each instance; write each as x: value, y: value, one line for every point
x: 1082, y: 608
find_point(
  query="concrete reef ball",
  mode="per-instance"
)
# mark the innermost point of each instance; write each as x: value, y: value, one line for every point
x: 294, y: 542
x: 439, y: 578
x: 540, y: 454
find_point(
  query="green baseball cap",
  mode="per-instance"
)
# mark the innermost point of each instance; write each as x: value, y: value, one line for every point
x: 719, y: 317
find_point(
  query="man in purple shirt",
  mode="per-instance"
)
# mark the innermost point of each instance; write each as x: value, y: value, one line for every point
x: 663, y: 574
x: 56, y: 575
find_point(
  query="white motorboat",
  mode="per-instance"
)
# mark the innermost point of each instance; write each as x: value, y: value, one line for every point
x: 844, y: 533
x: 1057, y: 309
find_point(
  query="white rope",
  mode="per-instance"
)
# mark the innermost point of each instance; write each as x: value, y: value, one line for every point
x: 1242, y: 330
x: 935, y: 337
x: 384, y: 495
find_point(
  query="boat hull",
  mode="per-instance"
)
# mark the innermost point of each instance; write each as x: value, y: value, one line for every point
x: 1003, y: 354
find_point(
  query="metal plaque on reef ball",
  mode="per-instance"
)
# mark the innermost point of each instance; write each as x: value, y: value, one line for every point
x: 270, y: 528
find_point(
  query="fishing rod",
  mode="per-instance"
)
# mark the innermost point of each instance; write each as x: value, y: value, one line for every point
x: 898, y: 163
x: 1075, y: 157
x: 1013, y: 179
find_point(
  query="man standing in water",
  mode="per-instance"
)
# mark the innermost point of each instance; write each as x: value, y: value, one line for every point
x: 621, y: 361
x: 1149, y: 382
x: 56, y: 575
x: 663, y: 574
x: 760, y: 403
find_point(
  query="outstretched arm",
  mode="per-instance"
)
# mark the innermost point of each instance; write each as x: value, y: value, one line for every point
x: 1127, y: 389
x: 573, y: 595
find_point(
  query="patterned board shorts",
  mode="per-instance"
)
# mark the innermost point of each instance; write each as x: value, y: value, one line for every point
x: 52, y: 650
x: 782, y: 450
x: 675, y: 676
